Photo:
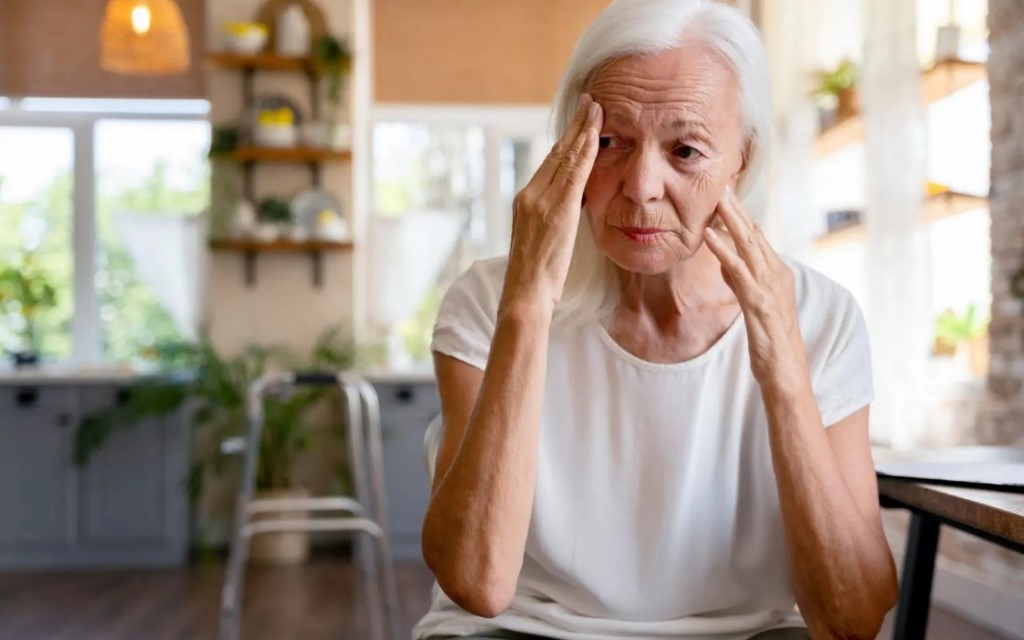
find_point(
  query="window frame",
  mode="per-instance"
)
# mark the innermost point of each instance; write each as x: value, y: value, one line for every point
x: 81, y: 118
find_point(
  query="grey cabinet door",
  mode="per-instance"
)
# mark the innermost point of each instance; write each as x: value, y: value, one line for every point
x: 131, y: 494
x: 37, y: 480
x: 406, y: 410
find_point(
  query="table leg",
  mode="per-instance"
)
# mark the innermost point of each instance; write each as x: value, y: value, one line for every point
x: 918, y: 569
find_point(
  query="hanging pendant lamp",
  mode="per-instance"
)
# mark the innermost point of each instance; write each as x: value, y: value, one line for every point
x: 144, y: 38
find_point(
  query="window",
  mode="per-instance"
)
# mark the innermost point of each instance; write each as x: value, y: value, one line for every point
x: 104, y: 197
x: 444, y: 180
x: 36, y: 185
x: 146, y: 196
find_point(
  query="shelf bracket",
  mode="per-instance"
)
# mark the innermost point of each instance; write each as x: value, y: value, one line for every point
x: 318, y: 268
x: 250, y: 268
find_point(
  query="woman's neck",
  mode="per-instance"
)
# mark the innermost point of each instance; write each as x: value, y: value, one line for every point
x: 694, y: 284
x: 673, y: 317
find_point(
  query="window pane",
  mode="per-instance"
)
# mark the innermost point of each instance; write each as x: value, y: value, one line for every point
x: 430, y: 221
x: 36, y: 184
x: 152, y: 179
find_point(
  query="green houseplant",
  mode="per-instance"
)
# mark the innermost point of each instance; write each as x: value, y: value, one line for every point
x: 26, y: 293
x: 212, y: 387
x: 840, y: 84
x: 955, y: 332
x: 333, y: 60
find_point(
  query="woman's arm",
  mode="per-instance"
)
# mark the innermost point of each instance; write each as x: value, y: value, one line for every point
x: 842, y: 570
x: 474, y: 533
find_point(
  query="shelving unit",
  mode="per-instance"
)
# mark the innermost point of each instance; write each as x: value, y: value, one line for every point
x: 936, y: 207
x: 251, y: 155
x: 941, y: 80
x: 251, y: 249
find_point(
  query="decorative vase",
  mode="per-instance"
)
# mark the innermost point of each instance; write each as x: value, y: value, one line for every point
x: 947, y: 43
x: 848, y: 103
x: 978, y: 355
x: 285, y: 547
x: 293, y: 32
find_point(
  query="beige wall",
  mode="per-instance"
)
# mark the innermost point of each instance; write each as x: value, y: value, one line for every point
x: 475, y: 51
x: 51, y: 48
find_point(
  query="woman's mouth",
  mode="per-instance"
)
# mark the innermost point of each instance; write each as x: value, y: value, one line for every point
x: 645, y: 235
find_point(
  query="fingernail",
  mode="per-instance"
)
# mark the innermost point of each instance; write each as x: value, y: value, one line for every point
x: 592, y: 113
x: 584, y: 100
x: 710, y: 233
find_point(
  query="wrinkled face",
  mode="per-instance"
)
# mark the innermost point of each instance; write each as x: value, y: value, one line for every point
x: 672, y: 141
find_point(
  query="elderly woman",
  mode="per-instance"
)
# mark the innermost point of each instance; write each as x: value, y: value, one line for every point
x: 654, y: 426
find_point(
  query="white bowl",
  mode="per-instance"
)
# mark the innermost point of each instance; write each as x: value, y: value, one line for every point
x: 276, y: 135
x: 250, y: 42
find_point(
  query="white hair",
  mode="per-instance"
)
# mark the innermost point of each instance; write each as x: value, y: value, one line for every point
x: 648, y: 27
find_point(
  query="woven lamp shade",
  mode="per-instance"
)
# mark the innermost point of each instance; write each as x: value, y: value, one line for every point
x: 144, y: 37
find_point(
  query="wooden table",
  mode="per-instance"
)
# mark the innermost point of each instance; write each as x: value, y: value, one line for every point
x: 996, y: 516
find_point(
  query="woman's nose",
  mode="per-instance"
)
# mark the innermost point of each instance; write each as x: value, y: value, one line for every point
x: 644, y: 177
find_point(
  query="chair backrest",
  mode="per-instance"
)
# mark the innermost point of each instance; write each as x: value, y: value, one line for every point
x: 431, y: 443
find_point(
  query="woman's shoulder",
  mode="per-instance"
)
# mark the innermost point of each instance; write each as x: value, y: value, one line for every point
x: 481, y: 283
x: 468, y: 313
x: 817, y: 292
x: 827, y: 310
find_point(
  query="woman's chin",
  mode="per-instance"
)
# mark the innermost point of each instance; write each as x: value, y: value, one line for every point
x: 642, y: 259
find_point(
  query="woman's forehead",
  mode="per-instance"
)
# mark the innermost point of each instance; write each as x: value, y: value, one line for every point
x: 685, y: 85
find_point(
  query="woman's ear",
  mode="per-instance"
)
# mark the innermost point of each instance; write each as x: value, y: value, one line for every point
x: 748, y: 148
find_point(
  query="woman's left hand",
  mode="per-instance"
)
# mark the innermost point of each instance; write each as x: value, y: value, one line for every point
x: 763, y: 283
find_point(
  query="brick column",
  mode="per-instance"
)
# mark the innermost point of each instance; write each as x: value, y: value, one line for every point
x: 1003, y: 421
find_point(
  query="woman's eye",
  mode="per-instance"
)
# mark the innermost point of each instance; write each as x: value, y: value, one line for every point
x: 605, y: 142
x: 686, y: 152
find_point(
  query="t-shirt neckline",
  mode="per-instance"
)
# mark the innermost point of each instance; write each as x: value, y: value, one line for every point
x: 735, y: 327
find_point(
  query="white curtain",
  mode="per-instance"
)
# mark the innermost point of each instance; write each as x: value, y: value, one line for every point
x: 896, y: 247
x: 167, y: 250
x: 407, y: 254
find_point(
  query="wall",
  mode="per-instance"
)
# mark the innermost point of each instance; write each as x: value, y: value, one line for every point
x: 57, y: 53
x: 468, y: 51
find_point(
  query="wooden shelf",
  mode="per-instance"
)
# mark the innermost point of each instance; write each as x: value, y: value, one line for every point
x: 843, y: 133
x: 305, y: 155
x: 944, y: 79
x: 279, y: 246
x: 950, y: 203
x: 252, y: 248
x: 940, y: 81
x: 261, y: 61
x: 936, y: 207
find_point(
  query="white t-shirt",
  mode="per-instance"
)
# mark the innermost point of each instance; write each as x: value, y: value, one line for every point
x: 655, y: 513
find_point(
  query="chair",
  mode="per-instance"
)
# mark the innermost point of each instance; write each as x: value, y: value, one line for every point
x: 366, y: 513
x: 431, y: 443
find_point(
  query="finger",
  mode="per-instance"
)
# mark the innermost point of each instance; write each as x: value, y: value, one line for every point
x: 745, y: 233
x: 732, y: 263
x: 548, y: 168
x: 574, y: 170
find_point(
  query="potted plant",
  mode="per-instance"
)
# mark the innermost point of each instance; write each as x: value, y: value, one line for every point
x: 26, y: 293
x: 214, y: 387
x: 964, y: 336
x: 224, y: 177
x: 333, y: 60
x: 275, y: 219
x: 839, y: 87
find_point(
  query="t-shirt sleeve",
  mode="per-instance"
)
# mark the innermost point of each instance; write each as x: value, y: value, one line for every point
x: 466, y: 319
x: 844, y: 383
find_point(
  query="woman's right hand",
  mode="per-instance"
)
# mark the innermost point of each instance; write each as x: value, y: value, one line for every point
x: 546, y: 213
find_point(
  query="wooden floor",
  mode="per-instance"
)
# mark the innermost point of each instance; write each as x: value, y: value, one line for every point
x: 319, y: 601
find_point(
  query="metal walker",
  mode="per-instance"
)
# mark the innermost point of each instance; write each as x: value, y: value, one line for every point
x: 366, y: 513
